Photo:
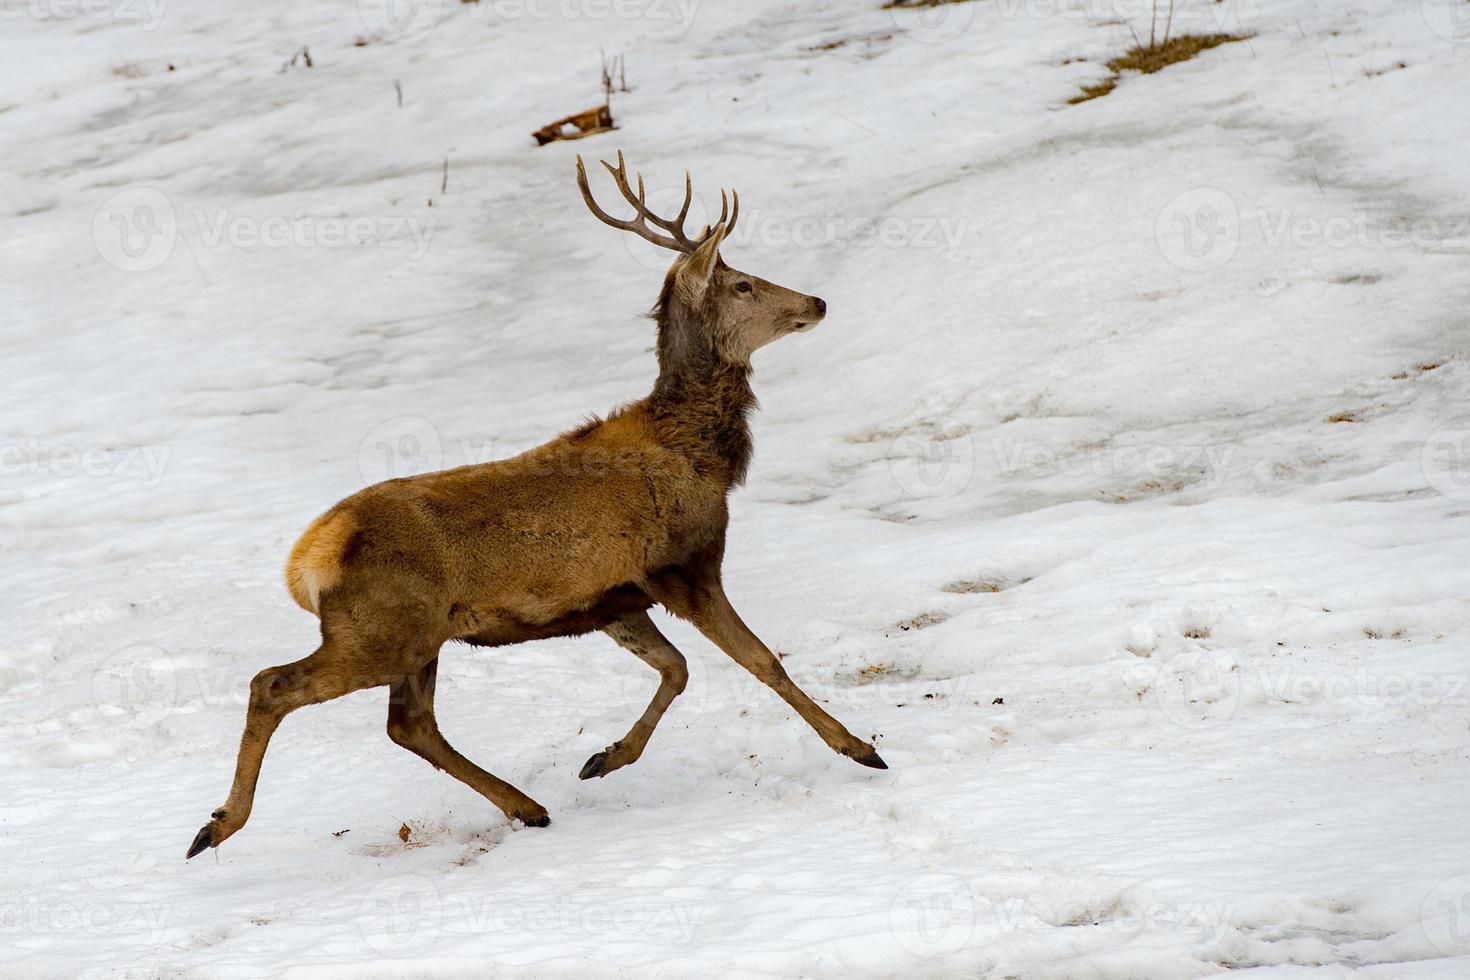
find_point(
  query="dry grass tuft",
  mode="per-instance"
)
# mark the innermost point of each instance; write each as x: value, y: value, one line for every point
x: 1147, y: 59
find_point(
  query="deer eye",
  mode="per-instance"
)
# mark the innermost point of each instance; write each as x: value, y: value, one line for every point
x: 742, y: 286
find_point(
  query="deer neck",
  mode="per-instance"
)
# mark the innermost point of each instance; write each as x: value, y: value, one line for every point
x: 701, y: 403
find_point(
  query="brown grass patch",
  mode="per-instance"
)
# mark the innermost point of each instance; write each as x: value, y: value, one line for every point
x: 1152, y: 58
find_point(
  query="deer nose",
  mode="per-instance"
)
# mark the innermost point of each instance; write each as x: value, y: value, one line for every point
x: 821, y: 306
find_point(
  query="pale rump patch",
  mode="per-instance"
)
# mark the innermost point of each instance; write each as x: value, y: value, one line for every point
x: 315, y: 563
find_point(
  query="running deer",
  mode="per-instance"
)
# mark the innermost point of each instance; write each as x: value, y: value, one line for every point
x: 586, y: 532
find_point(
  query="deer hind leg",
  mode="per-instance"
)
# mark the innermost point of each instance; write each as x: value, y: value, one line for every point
x: 274, y: 693
x: 705, y: 605
x: 411, y: 724
x: 637, y: 634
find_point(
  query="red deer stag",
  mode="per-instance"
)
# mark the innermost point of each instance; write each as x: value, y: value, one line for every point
x: 584, y: 533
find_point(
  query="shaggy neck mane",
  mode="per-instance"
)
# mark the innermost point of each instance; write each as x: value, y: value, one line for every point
x: 700, y: 401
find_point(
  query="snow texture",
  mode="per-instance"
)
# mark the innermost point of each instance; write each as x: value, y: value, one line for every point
x: 1123, y: 497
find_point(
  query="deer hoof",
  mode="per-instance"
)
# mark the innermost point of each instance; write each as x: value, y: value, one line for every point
x: 872, y: 760
x: 544, y: 820
x: 202, y: 840
x: 596, y: 766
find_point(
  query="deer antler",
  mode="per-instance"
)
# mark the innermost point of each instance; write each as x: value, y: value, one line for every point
x: 676, y: 239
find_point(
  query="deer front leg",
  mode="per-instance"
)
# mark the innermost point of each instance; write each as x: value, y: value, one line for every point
x: 637, y: 634
x: 705, y: 605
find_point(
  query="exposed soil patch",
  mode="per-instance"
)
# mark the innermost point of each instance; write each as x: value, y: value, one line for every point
x: 980, y: 586
x: 923, y: 620
x: 1374, y: 73
x: 1424, y: 368
x: 915, y: 4
x: 1147, y: 60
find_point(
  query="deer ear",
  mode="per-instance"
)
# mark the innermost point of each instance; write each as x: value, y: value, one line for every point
x: 699, y: 268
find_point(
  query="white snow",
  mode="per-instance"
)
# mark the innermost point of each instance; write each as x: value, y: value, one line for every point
x: 1170, y: 667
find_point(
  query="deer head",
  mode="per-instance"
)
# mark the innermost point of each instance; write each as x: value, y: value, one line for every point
x: 707, y: 310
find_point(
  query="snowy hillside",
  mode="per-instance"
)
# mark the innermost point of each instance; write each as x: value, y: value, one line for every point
x: 1123, y: 497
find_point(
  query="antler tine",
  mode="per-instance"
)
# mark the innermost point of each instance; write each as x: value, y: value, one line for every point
x: 688, y: 198
x: 676, y: 226
x: 636, y: 225
x: 677, y: 239
x: 733, y: 213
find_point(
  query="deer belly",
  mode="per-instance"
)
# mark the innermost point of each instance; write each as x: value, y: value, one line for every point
x: 493, y: 626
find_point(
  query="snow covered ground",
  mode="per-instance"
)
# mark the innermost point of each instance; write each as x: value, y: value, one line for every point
x: 1123, y: 497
